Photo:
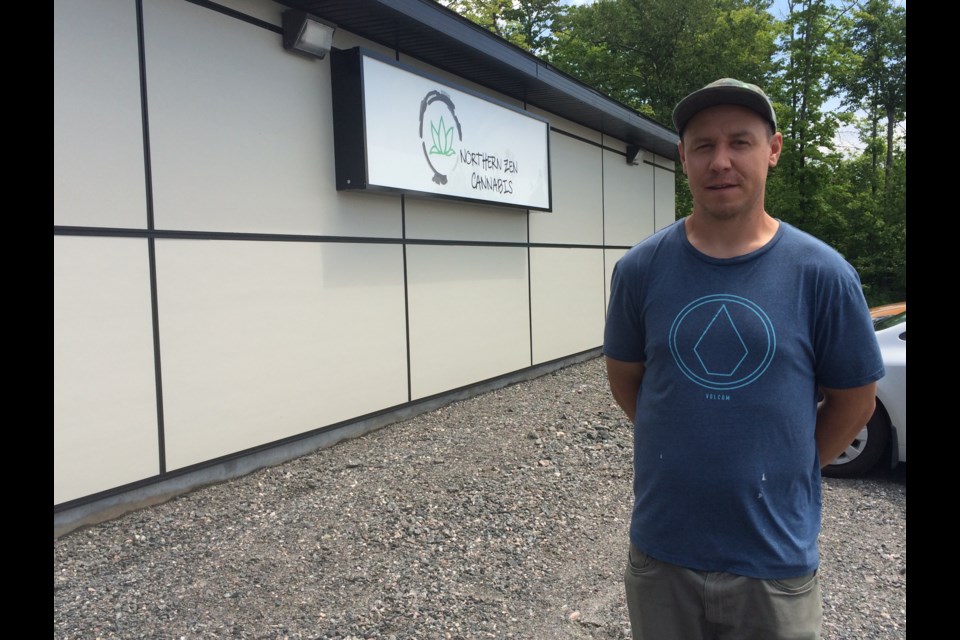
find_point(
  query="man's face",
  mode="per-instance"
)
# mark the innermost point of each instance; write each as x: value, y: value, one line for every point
x: 726, y: 152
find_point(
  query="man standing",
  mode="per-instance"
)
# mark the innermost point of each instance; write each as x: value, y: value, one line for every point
x: 723, y: 330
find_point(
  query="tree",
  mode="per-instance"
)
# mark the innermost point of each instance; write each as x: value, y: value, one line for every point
x: 810, y: 51
x: 877, y: 83
x: 649, y: 54
x: 874, y: 233
x: 525, y: 23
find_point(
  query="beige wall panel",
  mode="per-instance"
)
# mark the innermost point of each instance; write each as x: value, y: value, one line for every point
x: 469, y: 315
x: 577, y: 183
x: 665, y: 203
x: 242, y: 132
x: 628, y: 200
x: 98, y: 162
x: 610, y: 257
x: 567, y: 301
x: 104, y: 383
x: 616, y: 144
x: 452, y: 220
x: 261, y: 341
x: 272, y: 12
x: 666, y: 163
x: 260, y: 9
x: 567, y: 126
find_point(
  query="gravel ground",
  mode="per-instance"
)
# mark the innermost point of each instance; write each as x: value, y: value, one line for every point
x: 500, y: 516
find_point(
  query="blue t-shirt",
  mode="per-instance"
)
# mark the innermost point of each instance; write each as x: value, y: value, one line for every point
x: 726, y: 470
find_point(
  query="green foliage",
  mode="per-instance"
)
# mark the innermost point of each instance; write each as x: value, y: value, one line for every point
x: 877, y: 80
x: 649, y: 54
x: 525, y: 23
x: 832, y: 194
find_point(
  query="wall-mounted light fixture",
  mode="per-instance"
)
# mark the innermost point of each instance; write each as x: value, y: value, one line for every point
x: 632, y: 152
x: 306, y: 33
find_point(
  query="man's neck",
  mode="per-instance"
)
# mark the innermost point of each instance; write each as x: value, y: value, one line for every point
x: 732, y: 237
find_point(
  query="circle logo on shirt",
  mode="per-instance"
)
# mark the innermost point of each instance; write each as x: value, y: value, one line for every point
x: 722, y: 342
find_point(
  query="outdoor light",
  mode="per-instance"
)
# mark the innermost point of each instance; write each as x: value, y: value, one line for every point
x: 306, y: 33
x: 632, y: 152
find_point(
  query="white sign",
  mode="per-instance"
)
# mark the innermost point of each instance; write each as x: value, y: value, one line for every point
x: 424, y: 136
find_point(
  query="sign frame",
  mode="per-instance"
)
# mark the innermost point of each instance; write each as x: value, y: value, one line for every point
x: 450, y: 142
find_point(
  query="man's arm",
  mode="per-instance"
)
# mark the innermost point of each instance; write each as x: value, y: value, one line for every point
x: 840, y: 417
x: 624, y: 378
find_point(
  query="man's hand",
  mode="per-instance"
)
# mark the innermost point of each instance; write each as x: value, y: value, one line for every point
x: 840, y: 417
x: 624, y: 378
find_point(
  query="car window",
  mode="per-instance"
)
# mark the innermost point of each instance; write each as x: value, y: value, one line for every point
x: 890, y: 321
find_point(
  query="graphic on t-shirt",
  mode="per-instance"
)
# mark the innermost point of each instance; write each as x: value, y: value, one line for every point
x: 722, y: 341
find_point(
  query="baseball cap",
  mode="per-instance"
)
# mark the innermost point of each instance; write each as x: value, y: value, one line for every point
x: 724, y: 91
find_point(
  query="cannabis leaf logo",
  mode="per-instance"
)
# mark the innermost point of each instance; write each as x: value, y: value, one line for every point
x: 442, y: 139
x: 441, y: 157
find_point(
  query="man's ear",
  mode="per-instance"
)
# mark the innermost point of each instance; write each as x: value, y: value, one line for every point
x: 683, y: 157
x: 776, y: 148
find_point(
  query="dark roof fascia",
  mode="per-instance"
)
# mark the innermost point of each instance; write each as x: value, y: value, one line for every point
x: 589, y: 96
x: 454, y: 26
x: 523, y: 74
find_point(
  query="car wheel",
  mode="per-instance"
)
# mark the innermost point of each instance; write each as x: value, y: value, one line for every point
x: 865, y: 451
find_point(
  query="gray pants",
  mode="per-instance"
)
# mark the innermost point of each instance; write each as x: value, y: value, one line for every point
x: 667, y: 602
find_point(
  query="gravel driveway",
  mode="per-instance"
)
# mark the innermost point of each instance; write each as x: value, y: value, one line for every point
x: 500, y: 516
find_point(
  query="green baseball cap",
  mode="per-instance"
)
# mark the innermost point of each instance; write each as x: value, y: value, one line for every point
x: 724, y: 91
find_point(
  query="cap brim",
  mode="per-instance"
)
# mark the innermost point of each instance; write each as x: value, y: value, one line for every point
x: 714, y: 96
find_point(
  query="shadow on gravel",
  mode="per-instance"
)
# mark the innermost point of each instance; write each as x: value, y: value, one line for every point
x: 880, y: 473
x: 897, y: 475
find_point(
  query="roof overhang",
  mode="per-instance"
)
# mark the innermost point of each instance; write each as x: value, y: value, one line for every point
x: 440, y: 37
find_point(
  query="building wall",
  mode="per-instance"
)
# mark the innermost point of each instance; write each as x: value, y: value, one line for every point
x: 214, y: 294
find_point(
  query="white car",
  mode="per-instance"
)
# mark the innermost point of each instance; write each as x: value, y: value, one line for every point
x: 884, y: 438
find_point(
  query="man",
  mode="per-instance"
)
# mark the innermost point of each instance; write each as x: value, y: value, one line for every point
x: 723, y: 330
